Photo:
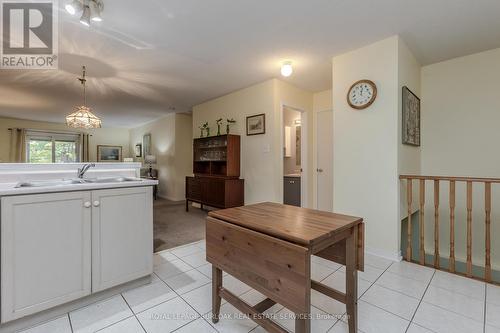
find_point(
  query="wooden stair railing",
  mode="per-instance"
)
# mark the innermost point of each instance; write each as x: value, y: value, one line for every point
x: 469, y: 181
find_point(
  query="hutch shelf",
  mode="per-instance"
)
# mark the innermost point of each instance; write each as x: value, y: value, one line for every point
x: 216, y: 169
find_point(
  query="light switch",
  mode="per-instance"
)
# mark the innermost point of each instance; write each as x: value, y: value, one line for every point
x: 267, y: 148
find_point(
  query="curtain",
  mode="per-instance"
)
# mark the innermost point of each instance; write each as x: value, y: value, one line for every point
x: 18, y: 145
x: 84, y: 144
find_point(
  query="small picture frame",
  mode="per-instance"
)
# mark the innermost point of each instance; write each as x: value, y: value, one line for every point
x: 138, y: 150
x: 107, y: 153
x: 256, y: 124
x: 411, y: 118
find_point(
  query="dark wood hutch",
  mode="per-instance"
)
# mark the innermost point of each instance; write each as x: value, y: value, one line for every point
x: 216, y: 169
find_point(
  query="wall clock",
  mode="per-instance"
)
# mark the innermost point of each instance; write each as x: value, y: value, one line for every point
x: 362, y: 94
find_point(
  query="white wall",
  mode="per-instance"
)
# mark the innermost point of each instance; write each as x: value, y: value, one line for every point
x: 100, y: 136
x: 366, y: 144
x: 183, y: 152
x: 171, y: 142
x: 322, y: 100
x: 409, y: 157
x: 460, y: 136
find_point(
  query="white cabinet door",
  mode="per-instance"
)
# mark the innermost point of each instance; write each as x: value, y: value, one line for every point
x: 45, y: 251
x: 122, y: 236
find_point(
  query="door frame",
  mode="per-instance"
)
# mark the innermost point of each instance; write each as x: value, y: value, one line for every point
x: 316, y: 155
x: 304, y: 176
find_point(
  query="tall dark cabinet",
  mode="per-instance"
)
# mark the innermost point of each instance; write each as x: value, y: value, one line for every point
x: 216, y: 169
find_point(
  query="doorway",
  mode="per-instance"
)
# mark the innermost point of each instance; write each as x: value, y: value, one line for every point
x: 324, y: 171
x: 294, y: 156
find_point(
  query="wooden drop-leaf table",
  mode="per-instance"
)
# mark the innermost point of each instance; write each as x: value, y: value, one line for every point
x: 268, y: 246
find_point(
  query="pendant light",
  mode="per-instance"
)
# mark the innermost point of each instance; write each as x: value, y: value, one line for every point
x: 83, y: 116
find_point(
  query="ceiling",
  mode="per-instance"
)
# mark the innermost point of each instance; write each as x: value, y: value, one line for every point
x: 151, y: 57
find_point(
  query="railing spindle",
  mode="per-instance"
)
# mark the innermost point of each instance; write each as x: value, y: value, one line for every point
x: 422, y: 221
x: 436, y: 223
x: 487, y: 208
x: 452, y: 226
x: 469, y: 229
x: 409, y: 196
x: 488, y: 275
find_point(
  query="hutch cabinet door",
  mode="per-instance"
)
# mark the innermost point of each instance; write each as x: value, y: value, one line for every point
x: 45, y: 251
x: 122, y: 236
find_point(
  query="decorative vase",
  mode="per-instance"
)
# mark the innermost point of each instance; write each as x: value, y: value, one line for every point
x: 227, y: 129
x: 208, y: 132
x: 201, y: 132
x: 218, y: 129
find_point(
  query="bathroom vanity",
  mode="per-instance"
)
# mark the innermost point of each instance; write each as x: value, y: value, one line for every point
x: 63, y: 240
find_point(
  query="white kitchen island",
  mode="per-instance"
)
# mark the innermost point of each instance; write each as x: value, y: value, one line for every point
x: 63, y: 241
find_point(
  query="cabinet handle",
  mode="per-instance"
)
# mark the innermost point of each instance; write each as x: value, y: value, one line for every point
x: 87, y: 204
x: 96, y: 203
x: 292, y: 182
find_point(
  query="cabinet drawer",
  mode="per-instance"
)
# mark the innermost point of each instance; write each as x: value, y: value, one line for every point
x: 193, y: 188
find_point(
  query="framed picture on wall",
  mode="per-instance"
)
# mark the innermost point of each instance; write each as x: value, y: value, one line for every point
x: 138, y: 150
x: 109, y: 153
x: 411, y: 118
x: 256, y: 124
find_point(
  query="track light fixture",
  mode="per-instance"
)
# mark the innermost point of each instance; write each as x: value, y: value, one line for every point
x: 91, y: 10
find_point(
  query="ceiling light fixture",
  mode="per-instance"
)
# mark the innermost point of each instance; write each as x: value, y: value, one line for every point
x: 91, y: 10
x: 85, y: 19
x: 83, y: 116
x: 286, y: 69
x: 95, y: 11
x: 73, y: 6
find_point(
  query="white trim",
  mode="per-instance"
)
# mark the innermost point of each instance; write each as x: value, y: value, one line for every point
x: 394, y: 256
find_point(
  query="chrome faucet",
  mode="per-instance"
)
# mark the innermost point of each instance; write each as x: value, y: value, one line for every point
x: 82, y: 170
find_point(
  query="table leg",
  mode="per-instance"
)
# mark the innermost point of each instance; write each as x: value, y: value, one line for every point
x: 216, y: 299
x: 302, y: 325
x: 352, y: 281
x: 187, y: 205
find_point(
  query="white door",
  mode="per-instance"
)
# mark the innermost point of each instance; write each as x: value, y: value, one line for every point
x: 45, y: 251
x: 324, y: 171
x: 122, y: 236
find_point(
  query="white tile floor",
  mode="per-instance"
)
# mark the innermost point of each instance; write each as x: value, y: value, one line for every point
x: 394, y: 297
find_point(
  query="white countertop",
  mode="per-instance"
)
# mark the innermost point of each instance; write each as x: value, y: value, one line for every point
x: 10, y: 188
x: 295, y: 175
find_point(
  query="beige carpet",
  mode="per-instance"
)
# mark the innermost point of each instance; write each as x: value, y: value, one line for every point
x: 174, y: 227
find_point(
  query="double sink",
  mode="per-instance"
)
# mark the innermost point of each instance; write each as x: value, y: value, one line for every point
x: 64, y: 182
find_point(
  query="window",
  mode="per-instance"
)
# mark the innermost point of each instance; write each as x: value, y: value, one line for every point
x: 52, y: 147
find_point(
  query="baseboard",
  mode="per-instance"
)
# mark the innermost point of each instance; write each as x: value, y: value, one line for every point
x: 393, y: 256
x: 170, y: 198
